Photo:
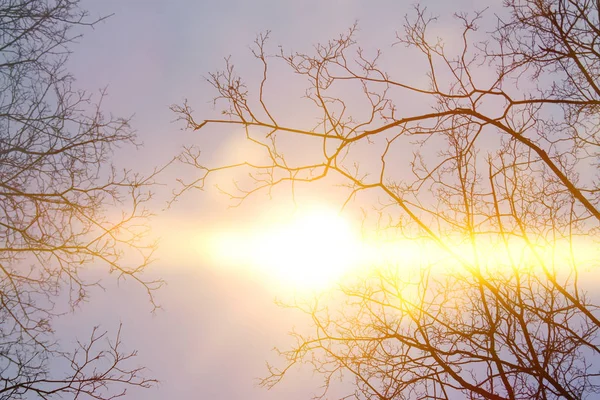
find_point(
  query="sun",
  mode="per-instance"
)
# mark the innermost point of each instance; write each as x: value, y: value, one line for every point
x: 313, y: 249
x: 306, y: 249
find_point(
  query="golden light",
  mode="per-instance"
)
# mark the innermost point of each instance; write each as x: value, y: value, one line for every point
x: 314, y: 248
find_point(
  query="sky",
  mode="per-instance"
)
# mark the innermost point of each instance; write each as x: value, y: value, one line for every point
x: 217, y: 325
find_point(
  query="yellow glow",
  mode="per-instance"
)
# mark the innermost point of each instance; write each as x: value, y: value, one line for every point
x: 313, y: 248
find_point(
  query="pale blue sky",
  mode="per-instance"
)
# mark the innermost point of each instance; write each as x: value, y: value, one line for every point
x: 213, y: 337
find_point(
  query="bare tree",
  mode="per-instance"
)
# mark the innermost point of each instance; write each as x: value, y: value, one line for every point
x: 63, y: 207
x: 502, y: 159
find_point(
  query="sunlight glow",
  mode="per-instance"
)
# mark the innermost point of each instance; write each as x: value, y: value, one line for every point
x: 311, y: 249
x: 314, y: 248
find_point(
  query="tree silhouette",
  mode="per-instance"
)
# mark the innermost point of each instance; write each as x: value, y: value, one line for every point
x: 496, y: 169
x: 58, y: 196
